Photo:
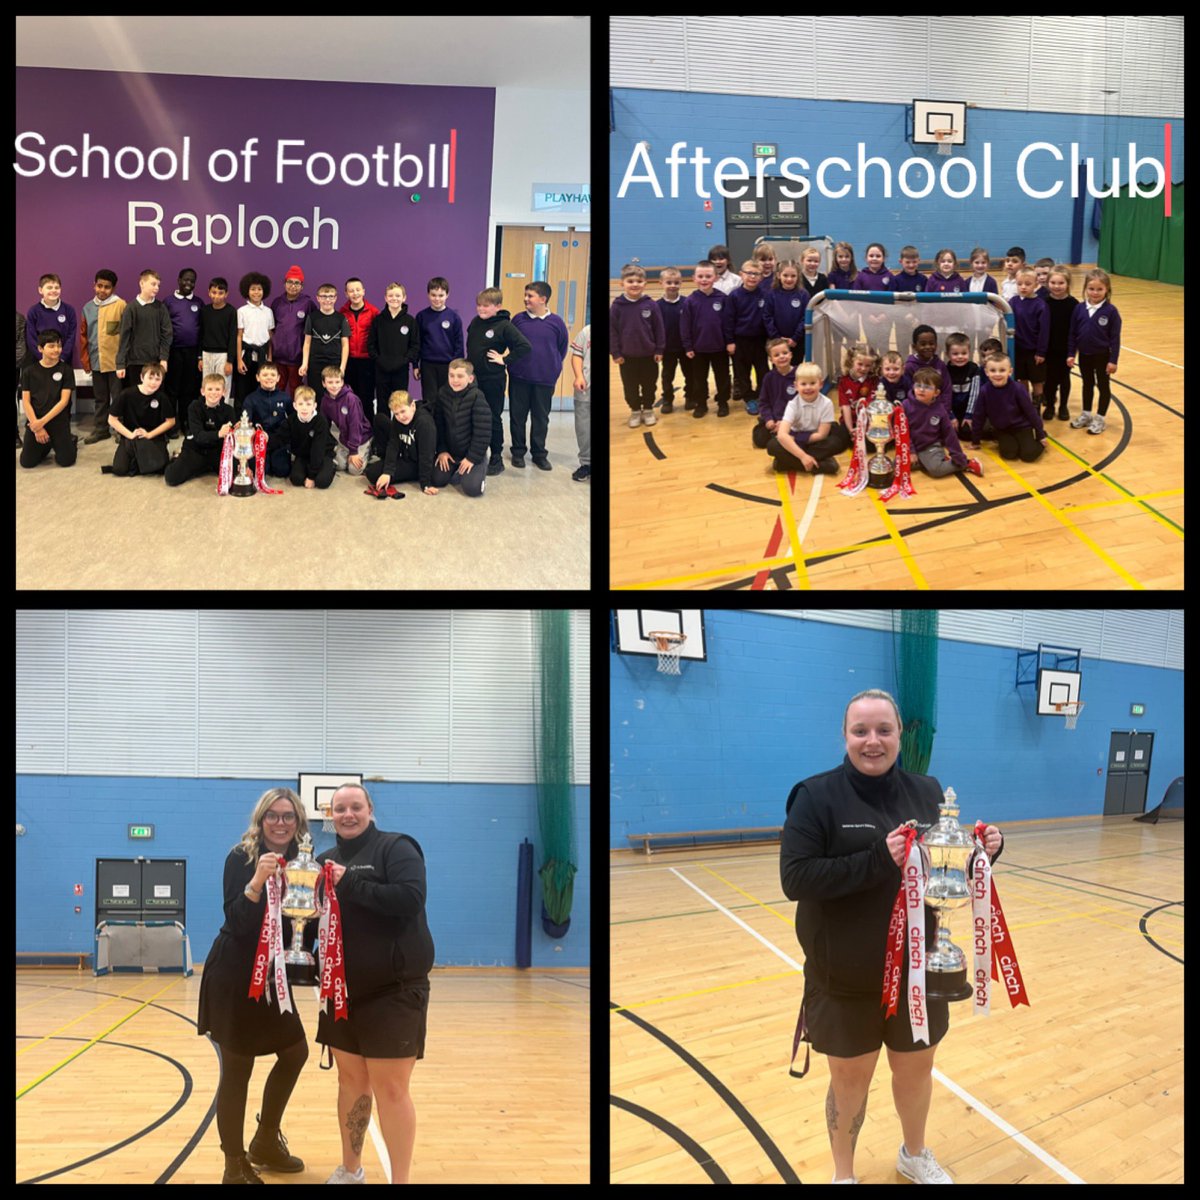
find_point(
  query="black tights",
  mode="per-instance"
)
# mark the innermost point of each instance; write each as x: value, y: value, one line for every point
x: 235, y: 1082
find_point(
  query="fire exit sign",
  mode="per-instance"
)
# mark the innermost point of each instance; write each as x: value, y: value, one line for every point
x: 1137, y: 710
x: 766, y: 150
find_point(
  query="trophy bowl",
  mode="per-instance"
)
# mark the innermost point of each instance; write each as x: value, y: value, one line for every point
x: 243, y: 452
x: 300, y: 905
x: 880, y: 469
x: 948, y: 849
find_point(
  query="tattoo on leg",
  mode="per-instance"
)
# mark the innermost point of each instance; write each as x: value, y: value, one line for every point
x: 857, y: 1124
x: 831, y: 1113
x: 357, y: 1120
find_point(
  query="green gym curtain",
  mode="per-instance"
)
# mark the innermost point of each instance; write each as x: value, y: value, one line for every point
x: 915, y: 647
x: 552, y: 734
x: 1135, y: 238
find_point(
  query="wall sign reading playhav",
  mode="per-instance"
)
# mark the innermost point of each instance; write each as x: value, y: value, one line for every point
x: 129, y: 171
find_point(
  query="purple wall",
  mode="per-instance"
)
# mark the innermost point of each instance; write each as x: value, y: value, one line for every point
x: 72, y: 226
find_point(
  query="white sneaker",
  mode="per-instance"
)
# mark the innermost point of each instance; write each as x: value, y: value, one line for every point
x: 920, y: 1168
x: 635, y: 418
x: 1097, y: 425
x: 341, y: 1175
x: 1084, y: 418
x: 648, y: 417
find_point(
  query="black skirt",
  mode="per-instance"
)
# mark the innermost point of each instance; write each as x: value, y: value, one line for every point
x: 236, y: 1022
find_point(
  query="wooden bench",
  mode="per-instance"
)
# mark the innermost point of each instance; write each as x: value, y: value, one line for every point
x: 731, y: 837
x: 53, y: 958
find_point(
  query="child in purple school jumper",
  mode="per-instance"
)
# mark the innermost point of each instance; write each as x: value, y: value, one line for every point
x: 705, y: 329
x: 670, y: 308
x: 946, y: 278
x: 1095, y: 336
x: 636, y: 338
x: 777, y: 391
x: 748, y: 344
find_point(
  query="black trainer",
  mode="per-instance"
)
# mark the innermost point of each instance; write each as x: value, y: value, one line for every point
x: 239, y: 1170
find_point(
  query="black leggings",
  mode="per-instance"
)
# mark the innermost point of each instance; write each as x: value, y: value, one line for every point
x: 235, y: 1082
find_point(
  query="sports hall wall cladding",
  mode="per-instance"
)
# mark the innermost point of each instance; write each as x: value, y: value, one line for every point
x: 1065, y: 93
x: 722, y: 745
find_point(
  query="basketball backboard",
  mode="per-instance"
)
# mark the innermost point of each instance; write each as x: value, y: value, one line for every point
x: 316, y: 790
x: 930, y: 115
x: 632, y: 627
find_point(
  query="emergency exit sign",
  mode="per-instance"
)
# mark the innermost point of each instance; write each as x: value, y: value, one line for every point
x: 1137, y: 710
x: 766, y: 150
x: 143, y: 832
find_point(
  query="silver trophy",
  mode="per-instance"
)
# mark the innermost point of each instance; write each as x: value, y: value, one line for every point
x: 300, y: 904
x: 243, y: 451
x: 880, y: 469
x: 948, y: 850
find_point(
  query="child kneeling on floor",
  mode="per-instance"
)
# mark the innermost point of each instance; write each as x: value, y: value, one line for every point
x: 931, y: 428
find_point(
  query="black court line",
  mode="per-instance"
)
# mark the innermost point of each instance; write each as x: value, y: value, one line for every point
x: 726, y: 491
x: 209, y: 1117
x: 701, y: 1156
x: 183, y: 1098
x: 1146, y: 935
x: 759, y: 1134
x: 1108, y: 887
x: 653, y: 445
x: 957, y: 512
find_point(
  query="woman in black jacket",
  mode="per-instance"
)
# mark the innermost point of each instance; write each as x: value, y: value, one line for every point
x: 842, y: 850
x: 388, y: 952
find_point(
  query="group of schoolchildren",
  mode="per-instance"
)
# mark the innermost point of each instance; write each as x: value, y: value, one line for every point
x: 307, y: 375
x: 755, y: 320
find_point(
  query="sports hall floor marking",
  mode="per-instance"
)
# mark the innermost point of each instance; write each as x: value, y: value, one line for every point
x: 1011, y: 1131
x: 1103, y: 555
x: 1125, y: 500
x: 793, y: 534
x: 724, y: 987
x: 894, y: 534
x: 1166, y: 522
x: 98, y: 1038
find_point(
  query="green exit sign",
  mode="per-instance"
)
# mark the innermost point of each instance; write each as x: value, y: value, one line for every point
x: 1137, y: 710
x: 141, y: 832
x: 766, y: 150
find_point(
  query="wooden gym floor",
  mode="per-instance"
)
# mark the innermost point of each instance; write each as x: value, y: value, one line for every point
x: 1085, y: 1085
x: 695, y: 506
x: 501, y: 1095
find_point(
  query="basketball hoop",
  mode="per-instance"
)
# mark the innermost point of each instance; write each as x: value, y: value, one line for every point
x: 326, y: 807
x: 1071, y: 711
x: 943, y: 139
x: 668, y: 645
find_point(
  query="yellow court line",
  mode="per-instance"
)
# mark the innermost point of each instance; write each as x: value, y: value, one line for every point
x: 894, y: 534
x: 793, y: 534
x: 753, y: 899
x: 75, y: 1021
x: 98, y: 1038
x: 1103, y: 555
x: 1123, y: 500
x: 736, y: 569
x: 722, y: 987
x: 1116, y: 487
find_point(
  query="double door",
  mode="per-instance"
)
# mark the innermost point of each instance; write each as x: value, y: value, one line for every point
x: 561, y: 258
x: 1128, y: 771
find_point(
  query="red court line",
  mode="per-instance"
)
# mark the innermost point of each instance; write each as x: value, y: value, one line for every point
x: 774, y: 541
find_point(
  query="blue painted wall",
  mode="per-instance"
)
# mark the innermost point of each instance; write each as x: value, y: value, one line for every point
x: 666, y: 231
x: 722, y: 745
x: 470, y: 834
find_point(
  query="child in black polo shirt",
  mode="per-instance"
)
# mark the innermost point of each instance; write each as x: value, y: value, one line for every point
x: 46, y: 389
x: 141, y: 417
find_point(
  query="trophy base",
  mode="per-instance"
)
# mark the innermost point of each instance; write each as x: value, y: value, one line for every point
x: 302, y: 974
x: 242, y: 489
x: 947, y: 985
x: 881, y: 481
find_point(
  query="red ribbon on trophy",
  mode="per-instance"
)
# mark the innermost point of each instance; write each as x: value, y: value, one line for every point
x: 333, y: 959
x: 225, y: 476
x: 994, y: 950
x: 906, y: 937
x: 857, y: 475
x: 269, y: 955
